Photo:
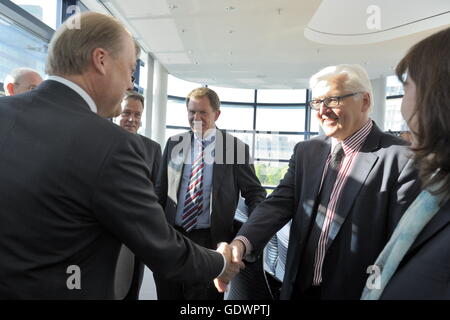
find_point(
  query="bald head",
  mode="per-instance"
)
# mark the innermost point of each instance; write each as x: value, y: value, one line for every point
x: 21, y: 80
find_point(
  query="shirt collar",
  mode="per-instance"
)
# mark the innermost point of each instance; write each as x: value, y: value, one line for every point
x: 77, y: 89
x: 354, y: 142
x: 209, y: 136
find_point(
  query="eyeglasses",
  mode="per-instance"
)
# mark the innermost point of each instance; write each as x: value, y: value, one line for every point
x: 329, y: 102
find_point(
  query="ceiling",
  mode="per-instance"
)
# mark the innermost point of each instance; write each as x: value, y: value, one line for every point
x: 275, y: 43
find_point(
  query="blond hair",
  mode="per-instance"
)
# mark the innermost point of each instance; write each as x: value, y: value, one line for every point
x: 205, y: 92
x: 70, y: 49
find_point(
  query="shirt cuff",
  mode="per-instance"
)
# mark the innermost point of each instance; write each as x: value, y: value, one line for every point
x: 224, y: 265
x: 247, y: 245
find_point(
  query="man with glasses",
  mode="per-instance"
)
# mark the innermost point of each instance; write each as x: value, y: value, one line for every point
x: 344, y: 192
x: 130, y: 270
x: 21, y: 80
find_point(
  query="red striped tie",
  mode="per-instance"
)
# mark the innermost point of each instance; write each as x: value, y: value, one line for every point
x: 193, y: 203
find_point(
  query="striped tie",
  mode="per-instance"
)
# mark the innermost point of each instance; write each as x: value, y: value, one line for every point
x: 193, y: 203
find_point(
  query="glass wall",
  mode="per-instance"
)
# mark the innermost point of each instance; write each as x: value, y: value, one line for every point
x: 394, y: 95
x: 44, y: 10
x: 20, y: 48
x: 271, y: 122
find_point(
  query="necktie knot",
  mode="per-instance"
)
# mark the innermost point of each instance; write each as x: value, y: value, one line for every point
x: 336, y: 156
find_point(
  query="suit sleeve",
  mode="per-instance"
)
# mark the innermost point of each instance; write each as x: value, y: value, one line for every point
x: 122, y: 200
x: 274, y: 212
x: 249, y: 184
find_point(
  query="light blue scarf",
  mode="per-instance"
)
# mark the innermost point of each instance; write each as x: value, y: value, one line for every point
x: 419, y: 213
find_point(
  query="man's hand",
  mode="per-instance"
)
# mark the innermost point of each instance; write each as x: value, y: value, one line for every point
x: 234, y: 264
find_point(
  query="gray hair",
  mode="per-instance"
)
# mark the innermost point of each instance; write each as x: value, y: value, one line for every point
x: 357, y: 78
x: 15, y: 76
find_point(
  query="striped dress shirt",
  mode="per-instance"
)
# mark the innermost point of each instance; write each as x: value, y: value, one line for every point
x: 351, y: 146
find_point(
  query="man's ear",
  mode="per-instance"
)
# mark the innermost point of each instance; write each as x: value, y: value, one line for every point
x: 100, y: 60
x: 217, y: 115
x: 366, y: 101
x: 10, y: 88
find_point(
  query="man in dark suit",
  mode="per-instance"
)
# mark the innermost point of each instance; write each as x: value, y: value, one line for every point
x: 74, y: 186
x: 203, y: 172
x: 129, y: 270
x: 344, y: 192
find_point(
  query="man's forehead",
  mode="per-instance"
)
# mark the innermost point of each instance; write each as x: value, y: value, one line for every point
x: 330, y: 86
x: 202, y: 101
x: 131, y: 103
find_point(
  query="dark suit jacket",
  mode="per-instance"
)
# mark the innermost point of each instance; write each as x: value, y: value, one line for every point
x: 233, y: 172
x: 379, y: 188
x: 73, y: 187
x: 130, y: 270
x: 424, y: 272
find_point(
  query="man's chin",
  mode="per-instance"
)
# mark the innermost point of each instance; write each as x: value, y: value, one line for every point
x: 132, y: 130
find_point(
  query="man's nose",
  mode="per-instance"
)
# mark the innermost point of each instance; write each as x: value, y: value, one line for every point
x: 323, y: 108
x: 197, y: 116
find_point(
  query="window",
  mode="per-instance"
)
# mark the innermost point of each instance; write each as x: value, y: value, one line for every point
x: 235, y: 117
x: 393, y: 86
x: 280, y: 118
x: 270, y: 172
x: 234, y: 95
x: 282, y: 96
x: 271, y: 125
x: 276, y: 146
x: 176, y: 112
x: 393, y: 119
x: 20, y: 48
x: 44, y: 10
x: 180, y: 88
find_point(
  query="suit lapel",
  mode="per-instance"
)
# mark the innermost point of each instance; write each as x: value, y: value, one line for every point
x: 313, y: 171
x: 221, y: 150
x: 363, y: 164
x: 178, y: 157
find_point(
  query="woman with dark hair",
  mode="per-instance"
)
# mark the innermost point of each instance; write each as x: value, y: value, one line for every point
x: 415, y: 264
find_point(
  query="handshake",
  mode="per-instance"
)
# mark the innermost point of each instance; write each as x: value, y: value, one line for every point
x: 233, y: 253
